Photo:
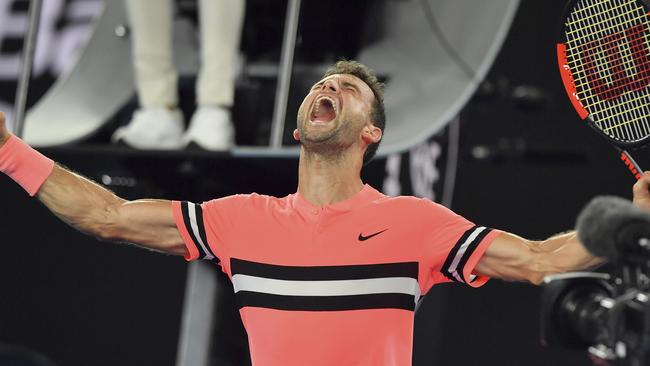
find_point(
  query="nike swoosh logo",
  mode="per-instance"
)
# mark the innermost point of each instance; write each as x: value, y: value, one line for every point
x: 364, y: 238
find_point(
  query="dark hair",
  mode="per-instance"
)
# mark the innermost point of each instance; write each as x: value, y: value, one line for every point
x: 377, y: 111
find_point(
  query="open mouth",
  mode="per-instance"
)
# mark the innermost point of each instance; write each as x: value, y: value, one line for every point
x: 324, y: 110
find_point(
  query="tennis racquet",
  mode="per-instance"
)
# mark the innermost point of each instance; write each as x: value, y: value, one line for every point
x: 604, y: 59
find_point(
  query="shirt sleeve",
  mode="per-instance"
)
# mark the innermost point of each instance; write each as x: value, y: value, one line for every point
x: 205, y: 227
x: 453, y: 246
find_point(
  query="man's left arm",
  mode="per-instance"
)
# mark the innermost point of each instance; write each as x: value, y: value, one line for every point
x: 513, y: 258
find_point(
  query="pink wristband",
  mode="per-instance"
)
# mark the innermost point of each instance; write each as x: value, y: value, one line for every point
x: 24, y: 165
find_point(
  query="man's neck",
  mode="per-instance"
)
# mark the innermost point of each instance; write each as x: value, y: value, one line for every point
x: 323, y: 180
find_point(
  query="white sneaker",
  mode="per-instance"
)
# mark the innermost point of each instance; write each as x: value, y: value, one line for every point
x: 152, y: 128
x: 211, y: 129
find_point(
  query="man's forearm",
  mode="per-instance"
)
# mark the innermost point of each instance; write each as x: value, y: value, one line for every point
x: 86, y: 205
x: 513, y: 258
x: 76, y: 200
x: 564, y: 253
x: 94, y: 210
x: 80, y: 202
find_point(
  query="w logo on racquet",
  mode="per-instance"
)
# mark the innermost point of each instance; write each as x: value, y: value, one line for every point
x: 617, y: 63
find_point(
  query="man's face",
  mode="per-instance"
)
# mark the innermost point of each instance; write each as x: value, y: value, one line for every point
x: 335, y: 111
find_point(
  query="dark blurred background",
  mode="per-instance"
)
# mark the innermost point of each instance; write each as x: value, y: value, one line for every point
x: 527, y: 165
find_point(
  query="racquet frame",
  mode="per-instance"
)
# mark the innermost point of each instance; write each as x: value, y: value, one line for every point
x: 569, y: 85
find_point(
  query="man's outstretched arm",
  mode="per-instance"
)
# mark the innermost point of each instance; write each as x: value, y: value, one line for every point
x: 94, y: 210
x: 513, y: 258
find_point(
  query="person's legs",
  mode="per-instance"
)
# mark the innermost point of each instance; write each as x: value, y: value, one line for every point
x: 158, y: 123
x: 221, y: 24
x: 151, y: 34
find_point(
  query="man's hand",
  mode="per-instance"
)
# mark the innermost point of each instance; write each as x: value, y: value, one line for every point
x: 642, y: 191
x: 4, y: 132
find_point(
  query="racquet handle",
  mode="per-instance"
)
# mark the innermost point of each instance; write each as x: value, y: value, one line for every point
x: 632, y: 165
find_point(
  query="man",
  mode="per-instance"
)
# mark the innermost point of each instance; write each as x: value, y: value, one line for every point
x: 330, y: 274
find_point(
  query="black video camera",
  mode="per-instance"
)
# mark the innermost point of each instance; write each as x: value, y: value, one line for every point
x: 606, y: 313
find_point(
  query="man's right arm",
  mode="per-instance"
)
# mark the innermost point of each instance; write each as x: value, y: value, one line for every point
x: 94, y: 210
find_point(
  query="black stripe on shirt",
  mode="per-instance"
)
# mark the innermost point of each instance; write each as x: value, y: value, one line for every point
x: 446, y: 268
x: 201, y: 227
x: 325, y: 303
x: 324, y: 273
x: 452, y: 253
x: 189, y: 226
x: 468, y: 253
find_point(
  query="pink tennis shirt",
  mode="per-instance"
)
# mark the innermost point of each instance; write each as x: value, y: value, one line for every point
x: 332, y: 285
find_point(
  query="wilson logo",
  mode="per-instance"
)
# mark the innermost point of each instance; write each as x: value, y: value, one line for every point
x: 603, y: 60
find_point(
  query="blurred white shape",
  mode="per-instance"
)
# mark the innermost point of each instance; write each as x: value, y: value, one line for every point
x: 57, y: 48
x: 8, y: 110
x: 423, y: 169
x: 392, y: 186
